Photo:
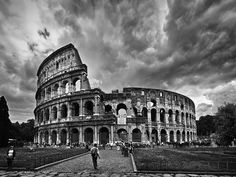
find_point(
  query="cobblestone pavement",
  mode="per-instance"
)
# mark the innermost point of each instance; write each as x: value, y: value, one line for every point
x: 111, y: 164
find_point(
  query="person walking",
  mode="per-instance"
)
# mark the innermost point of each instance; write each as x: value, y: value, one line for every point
x: 95, y: 155
x: 11, y: 153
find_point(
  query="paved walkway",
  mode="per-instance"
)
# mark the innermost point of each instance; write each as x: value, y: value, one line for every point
x: 111, y: 161
x: 111, y: 164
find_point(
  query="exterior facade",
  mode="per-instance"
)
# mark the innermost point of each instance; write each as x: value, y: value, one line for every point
x: 69, y: 111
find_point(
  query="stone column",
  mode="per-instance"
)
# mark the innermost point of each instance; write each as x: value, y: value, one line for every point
x: 95, y: 134
x: 167, y: 135
x: 81, y: 135
x: 173, y: 118
x: 158, y: 115
x: 112, y: 134
x: 159, y: 135
x: 58, y: 112
x: 59, y: 88
x: 81, y: 108
x: 49, y: 137
x: 129, y: 134
x: 67, y: 136
x: 38, y: 138
x: 175, y: 136
x: 69, y: 105
x: 58, y: 137
x: 143, y: 138
x: 149, y: 125
x: 70, y: 85
x: 96, y: 103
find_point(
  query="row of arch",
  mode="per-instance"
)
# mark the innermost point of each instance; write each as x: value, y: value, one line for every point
x: 64, y: 137
x: 60, y: 88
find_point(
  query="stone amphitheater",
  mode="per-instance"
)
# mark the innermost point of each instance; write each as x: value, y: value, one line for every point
x: 69, y: 111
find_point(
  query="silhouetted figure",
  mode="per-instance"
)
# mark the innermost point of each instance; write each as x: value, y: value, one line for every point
x: 11, y: 153
x: 95, y: 155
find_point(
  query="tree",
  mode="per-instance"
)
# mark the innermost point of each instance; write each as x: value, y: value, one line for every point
x: 226, y: 124
x: 205, y: 125
x: 4, y: 122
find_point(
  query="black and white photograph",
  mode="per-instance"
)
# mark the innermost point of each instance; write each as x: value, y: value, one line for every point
x: 117, y: 88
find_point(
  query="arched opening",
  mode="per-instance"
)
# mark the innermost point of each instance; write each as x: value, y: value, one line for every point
x: 178, y: 136
x: 177, y: 117
x: 104, y: 135
x: 47, y: 114
x: 183, y: 136
x: 122, y: 135
x: 65, y: 87
x: 144, y: 112
x: 153, y: 115
x: 162, y: 115
x: 55, y: 90
x: 46, y: 137
x: 170, y: 113
x: 48, y: 92
x: 64, y: 111
x: 163, y: 136
x: 108, y: 109
x: 171, y: 136
x: 187, y: 136
x: 76, y: 84
x: 148, y: 135
x: 41, y: 138
x: 75, y: 109
x: 41, y: 116
x: 88, y: 108
x: 182, y: 118
x: 135, y: 111
x: 154, y: 102
x: 88, y: 135
x: 54, y: 137
x: 63, y: 137
x: 74, y: 136
x: 122, y: 107
x: 136, y: 135
x: 154, y: 135
x: 187, y: 120
x: 54, y: 113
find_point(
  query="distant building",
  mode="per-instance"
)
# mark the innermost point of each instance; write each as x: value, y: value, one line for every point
x: 69, y: 111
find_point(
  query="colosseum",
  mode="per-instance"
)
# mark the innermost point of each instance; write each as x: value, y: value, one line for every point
x: 69, y: 111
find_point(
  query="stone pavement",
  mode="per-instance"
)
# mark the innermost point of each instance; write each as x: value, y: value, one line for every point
x: 111, y: 164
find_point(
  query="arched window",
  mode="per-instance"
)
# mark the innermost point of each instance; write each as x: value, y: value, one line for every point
x: 108, y: 109
x: 55, y: 90
x: 75, y: 109
x: 121, y: 107
x: 47, y: 114
x: 170, y: 112
x: 76, y: 84
x: 144, y: 112
x: 88, y: 108
x: 63, y: 111
x: 54, y: 113
x: 182, y: 118
x: 48, y: 93
x: 177, y: 117
x: 162, y: 115
x: 153, y: 115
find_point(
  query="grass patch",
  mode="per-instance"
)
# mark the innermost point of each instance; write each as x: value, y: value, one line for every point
x: 25, y: 158
x: 188, y: 159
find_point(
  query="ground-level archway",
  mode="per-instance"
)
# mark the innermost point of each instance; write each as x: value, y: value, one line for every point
x: 136, y: 135
x: 154, y: 135
x: 163, y: 136
x: 178, y: 136
x: 63, y: 137
x: 171, y: 136
x: 122, y: 134
x: 54, y: 137
x: 104, y: 135
x: 74, y: 136
x: 88, y: 135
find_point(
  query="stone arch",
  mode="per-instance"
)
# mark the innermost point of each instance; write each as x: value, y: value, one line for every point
x: 48, y: 93
x: 121, y: 106
x: 63, y: 136
x: 41, y: 138
x: 47, y: 114
x: 162, y: 115
x: 170, y: 117
x: 178, y: 136
x: 154, y: 135
x: 54, y: 112
x: 187, y: 136
x: 171, y: 136
x: 153, y: 115
x: 74, y: 135
x: 136, y: 135
x: 163, y: 136
x: 76, y: 84
x: 154, y: 102
x: 54, y: 137
x: 88, y: 108
x: 177, y: 117
x: 75, y: 109
x: 88, y: 135
x: 144, y: 112
x: 108, y: 109
x: 122, y: 134
x: 187, y: 119
x: 103, y: 135
x: 183, y: 136
x: 64, y: 111
x: 182, y: 118
x: 65, y: 87
x: 55, y: 89
x: 46, y: 137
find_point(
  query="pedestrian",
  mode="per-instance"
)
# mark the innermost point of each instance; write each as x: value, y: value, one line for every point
x: 11, y: 153
x: 95, y: 155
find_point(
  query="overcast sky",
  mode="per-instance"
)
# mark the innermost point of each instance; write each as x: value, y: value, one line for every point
x: 188, y: 47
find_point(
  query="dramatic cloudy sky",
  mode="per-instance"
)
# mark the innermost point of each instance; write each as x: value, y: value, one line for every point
x: 184, y: 46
